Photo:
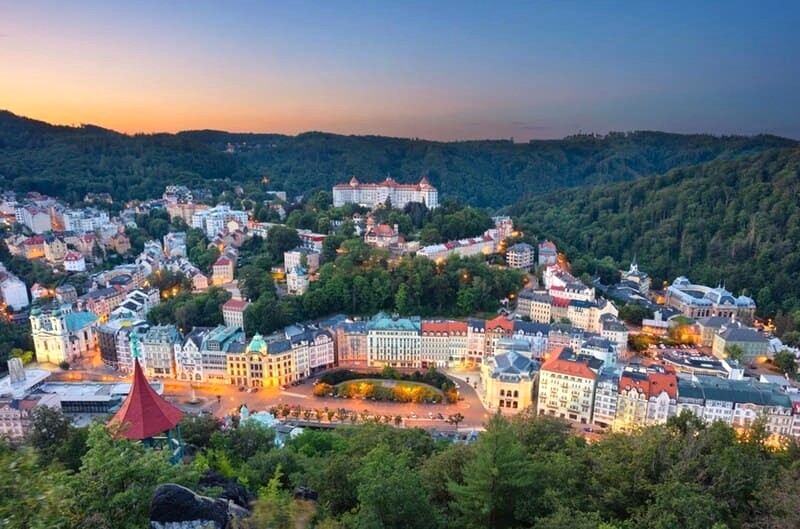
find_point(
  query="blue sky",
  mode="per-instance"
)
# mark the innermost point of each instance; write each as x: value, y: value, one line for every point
x: 441, y: 70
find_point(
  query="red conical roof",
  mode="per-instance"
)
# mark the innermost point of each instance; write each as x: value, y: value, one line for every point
x: 144, y: 413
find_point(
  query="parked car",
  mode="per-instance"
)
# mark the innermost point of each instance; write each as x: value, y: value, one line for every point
x: 242, y: 388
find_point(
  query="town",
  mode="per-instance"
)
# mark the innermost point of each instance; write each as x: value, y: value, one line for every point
x: 606, y: 357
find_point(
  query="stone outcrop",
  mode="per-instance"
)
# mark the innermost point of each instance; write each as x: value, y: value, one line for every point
x: 176, y: 507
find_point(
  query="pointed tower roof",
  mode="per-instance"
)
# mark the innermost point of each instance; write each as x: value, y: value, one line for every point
x: 424, y: 182
x: 353, y: 181
x: 144, y: 413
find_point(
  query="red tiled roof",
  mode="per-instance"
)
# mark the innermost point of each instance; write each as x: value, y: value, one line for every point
x: 447, y: 326
x: 575, y: 368
x: 35, y: 240
x: 235, y: 304
x: 144, y: 413
x: 502, y: 322
x: 73, y: 256
x: 222, y: 261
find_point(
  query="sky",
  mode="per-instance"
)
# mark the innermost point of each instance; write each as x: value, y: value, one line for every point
x: 428, y: 69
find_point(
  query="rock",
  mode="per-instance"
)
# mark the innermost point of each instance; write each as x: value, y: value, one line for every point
x: 304, y: 493
x: 231, y: 489
x: 176, y: 507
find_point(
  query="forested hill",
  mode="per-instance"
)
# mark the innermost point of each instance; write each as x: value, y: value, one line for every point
x: 70, y: 161
x: 736, y: 222
x: 481, y: 173
x: 73, y: 160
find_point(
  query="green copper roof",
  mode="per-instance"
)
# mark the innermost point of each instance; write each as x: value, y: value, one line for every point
x: 78, y: 320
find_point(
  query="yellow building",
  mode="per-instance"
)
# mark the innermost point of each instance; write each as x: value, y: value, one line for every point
x: 508, y: 381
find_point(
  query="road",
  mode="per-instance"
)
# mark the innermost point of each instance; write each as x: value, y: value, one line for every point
x: 230, y: 398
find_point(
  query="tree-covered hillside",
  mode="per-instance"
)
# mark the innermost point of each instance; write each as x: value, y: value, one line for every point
x: 481, y: 173
x: 68, y: 162
x: 736, y: 222
x: 72, y: 160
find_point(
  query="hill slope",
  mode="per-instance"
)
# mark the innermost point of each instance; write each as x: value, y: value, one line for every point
x: 481, y: 173
x: 38, y: 156
x: 733, y: 221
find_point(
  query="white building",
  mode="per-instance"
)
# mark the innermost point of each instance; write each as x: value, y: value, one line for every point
x: 13, y: 291
x: 59, y: 334
x: 371, y: 195
x: 74, y: 262
x: 567, y: 386
x: 233, y: 312
x: 297, y: 281
x: 393, y: 341
x: 294, y: 258
x: 219, y: 218
x: 520, y: 256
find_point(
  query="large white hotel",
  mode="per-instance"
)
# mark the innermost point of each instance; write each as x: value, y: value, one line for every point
x: 371, y: 195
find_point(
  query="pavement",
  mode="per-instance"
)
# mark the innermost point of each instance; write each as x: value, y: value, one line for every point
x: 223, y: 399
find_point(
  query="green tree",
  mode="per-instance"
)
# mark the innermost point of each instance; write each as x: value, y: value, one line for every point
x: 494, y: 480
x: 390, y: 494
x: 786, y: 362
x: 274, y: 507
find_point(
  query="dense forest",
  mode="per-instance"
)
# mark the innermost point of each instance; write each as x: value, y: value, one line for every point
x: 41, y: 157
x: 733, y: 222
x: 525, y: 472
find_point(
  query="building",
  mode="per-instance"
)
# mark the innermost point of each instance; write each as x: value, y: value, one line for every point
x: 483, y: 245
x: 175, y: 244
x: 137, y: 303
x: 700, y: 301
x: 312, y: 241
x: 262, y: 364
x: 66, y: 294
x: 496, y: 329
x: 614, y: 330
x: 508, y: 381
x: 602, y: 349
x: 158, y: 350
x: 636, y: 279
x: 108, y: 339
x: 520, y: 256
x: 102, y: 301
x: 736, y: 402
x: 605, y: 397
x: 303, y: 257
x: 393, y: 341
x: 33, y: 247
x: 297, y: 281
x: 219, y: 218
x: 567, y: 386
x: 55, y: 249
x: 381, y: 235
x: 74, y: 262
x: 13, y: 291
x: 352, y: 344
x: 61, y: 335
x: 398, y: 195
x: 35, y: 219
x: 754, y: 346
x: 222, y: 270
x: 443, y: 343
x: 710, y: 327
x: 233, y: 312
x: 175, y: 194
x: 647, y: 396
x: 120, y: 243
x: 218, y: 344
x: 189, y: 356
x: 548, y: 253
